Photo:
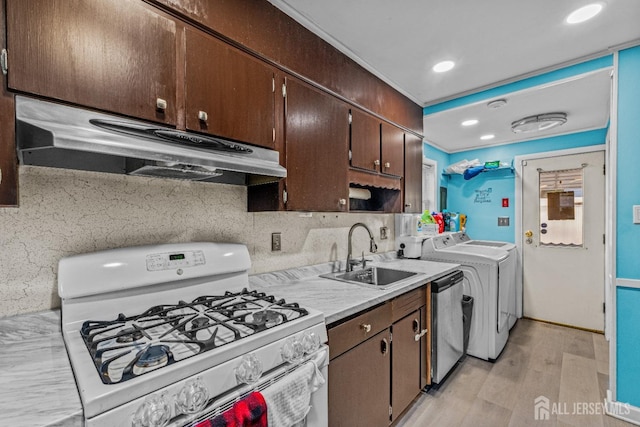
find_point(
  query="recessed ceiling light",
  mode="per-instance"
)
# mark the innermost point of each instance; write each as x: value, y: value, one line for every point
x: 443, y: 66
x: 584, y: 13
x: 497, y: 103
x: 487, y: 137
x: 470, y: 122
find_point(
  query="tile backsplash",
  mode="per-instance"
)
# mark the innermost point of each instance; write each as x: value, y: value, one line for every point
x: 65, y: 212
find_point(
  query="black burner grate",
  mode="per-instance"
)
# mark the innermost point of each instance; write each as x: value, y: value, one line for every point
x: 127, y: 347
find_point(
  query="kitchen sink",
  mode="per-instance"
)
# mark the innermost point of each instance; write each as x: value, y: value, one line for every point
x: 378, y: 277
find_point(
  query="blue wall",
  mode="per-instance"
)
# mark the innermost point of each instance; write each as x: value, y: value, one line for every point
x: 481, y: 197
x: 627, y: 233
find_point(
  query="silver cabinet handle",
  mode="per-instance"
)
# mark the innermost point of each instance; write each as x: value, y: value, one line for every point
x: 342, y: 201
x: 161, y: 104
x: 387, y: 165
x: 203, y: 116
x: 366, y: 327
x: 420, y: 335
x: 407, y: 205
x: 376, y: 162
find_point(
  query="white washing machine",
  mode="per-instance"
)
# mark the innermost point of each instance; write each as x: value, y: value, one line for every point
x: 515, y: 290
x: 485, y: 281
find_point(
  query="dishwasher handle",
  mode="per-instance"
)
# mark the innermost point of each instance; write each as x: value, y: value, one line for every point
x: 445, y: 282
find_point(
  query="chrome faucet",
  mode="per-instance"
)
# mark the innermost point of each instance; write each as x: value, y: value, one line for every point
x: 372, y: 247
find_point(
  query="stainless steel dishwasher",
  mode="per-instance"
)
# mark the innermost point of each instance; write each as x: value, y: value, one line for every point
x: 446, y: 328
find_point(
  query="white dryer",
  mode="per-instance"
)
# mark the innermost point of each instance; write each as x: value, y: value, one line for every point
x: 515, y: 289
x: 485, y: 281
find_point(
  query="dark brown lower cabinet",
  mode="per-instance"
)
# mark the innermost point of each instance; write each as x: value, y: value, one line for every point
x: 359, y: 383
x: 405, y: 362
x: 380, y: 362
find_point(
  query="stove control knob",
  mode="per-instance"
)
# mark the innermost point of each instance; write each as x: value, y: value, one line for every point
x: 193, y: 397
x: 154, y: 412
x: 310, y: 342
x: 249, y: 370
x: 292, y: 351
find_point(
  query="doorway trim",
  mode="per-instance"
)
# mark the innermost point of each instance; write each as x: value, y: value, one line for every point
x: 517, y: 163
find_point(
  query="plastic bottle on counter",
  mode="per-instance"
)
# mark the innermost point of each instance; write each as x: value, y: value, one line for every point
x: 454, y: 221
x: 439, y: 220
x: 446, y: 216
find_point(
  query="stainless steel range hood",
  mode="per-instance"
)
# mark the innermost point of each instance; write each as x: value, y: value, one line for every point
x: 56, y: 135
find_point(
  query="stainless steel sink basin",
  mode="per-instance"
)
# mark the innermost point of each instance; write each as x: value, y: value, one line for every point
x: 373, y: 276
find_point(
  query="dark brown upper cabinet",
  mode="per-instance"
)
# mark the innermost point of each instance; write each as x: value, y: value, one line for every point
x: 228, y: 92
x: 413, y: 173
x: 376, y: 146
x: 113, y: 55
x: 316, y: 145
x: 392, y: 150
x: 365, y: 141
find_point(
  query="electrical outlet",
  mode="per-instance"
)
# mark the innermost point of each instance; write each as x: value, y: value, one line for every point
x: 503, y: 221
x: 384, y: 233
x: 276, y: 242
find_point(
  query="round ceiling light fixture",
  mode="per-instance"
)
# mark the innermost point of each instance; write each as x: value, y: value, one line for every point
x: 470, y: 122
x: 584, y: 13
x: 443, y: 66
x: 487, y: 137
x: 498, y: 103
x: 539, y: 122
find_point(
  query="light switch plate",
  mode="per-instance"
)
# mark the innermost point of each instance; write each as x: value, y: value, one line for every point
x: 503, y: 221
x: 384, y: 233
x: 276, y: 242
x: 636, y: 214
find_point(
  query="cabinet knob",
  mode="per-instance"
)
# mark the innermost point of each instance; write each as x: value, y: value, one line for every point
x: 376, y: 162
x: 342, y: 201
x: 420, y: 335
x: 407, y: 205
x: 161, y: 104
x: 387, y: 165
x: 366, y: 327
x: 203, y: 116
x: 384, y: 346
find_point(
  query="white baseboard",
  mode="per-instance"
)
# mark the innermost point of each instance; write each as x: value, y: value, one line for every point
x: 622, y: 411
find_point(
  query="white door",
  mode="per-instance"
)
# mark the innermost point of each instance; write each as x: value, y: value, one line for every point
x: 563, y: 242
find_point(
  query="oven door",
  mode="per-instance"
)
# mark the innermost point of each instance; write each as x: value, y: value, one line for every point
x: 316, y: 415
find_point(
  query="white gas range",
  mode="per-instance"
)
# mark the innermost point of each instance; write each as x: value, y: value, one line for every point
x: 170, y: 335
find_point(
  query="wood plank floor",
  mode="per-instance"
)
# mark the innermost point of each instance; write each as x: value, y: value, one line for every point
x: 567, y: 366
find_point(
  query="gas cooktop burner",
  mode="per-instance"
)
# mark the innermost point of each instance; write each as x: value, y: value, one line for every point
x: 164, y: 334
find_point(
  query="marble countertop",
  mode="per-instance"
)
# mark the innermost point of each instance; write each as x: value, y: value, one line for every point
x: 338, y: 300
x: 37, y: 387
x: 36, y: 383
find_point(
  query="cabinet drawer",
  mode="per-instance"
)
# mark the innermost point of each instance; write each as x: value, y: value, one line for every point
x: 352, y: 332
x: 407, y: 303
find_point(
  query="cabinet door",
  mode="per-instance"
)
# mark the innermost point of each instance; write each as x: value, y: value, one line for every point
x: 114, y: 55
x: 316, y: 145
x: 392, y: 150
x: 413, y: 174
x: 405, y: 362
x: 359, y: 383
x: 365, y: 141
x: 228, y: 92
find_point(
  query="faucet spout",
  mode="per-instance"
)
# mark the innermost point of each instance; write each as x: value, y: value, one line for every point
x: 372, y: 245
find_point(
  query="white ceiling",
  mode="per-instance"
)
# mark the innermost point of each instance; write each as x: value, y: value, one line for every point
x: 584, y: 98
x: 493, y: 42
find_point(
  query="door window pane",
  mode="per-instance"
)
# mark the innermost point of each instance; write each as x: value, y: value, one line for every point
x: 428, y: 188
x: 561, y: 207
